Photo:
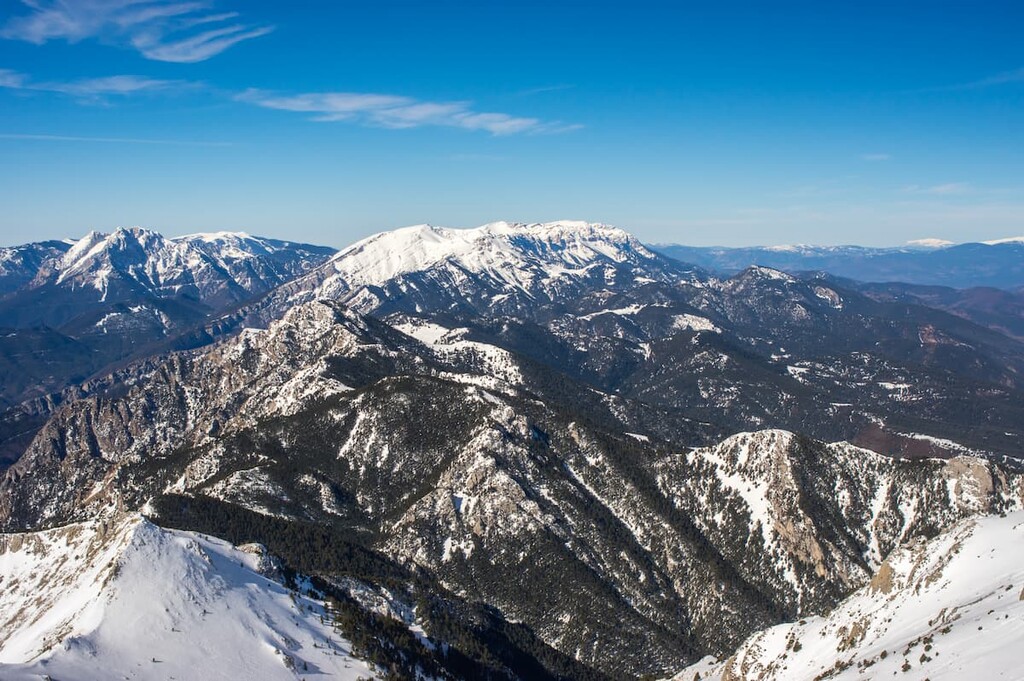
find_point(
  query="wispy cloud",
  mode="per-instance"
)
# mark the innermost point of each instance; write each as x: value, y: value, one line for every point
x: 1004, y: 78
x: 12, y: 79
x: 543, y: 89
x: 109, y: 140
x: 163, y: 30
x: 475, y: 157
x: 946, y: 189
x: 875, y: 157
x: 88, y: 89
x: 395, y: 111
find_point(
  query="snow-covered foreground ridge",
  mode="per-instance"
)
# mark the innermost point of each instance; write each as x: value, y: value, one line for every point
x: 948, y: 608
x: 125, y: 599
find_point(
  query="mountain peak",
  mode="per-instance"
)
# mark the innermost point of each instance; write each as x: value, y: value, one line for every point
x: 514, y: 253
x: 762, y: 273
x: 217, y: 236
x: 929, y: 243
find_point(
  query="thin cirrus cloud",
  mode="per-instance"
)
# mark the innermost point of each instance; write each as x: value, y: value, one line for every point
x: 947, y: 189
x: 386, y: 111
x: 88, y: 89
x: 109, y: 140
x: 161, y: 30
x: 398, y: 112
x: 1004, y: 78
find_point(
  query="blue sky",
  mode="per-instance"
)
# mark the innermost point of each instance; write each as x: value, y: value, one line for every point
x: 703, y: 123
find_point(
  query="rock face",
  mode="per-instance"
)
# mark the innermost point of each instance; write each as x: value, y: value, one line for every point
x: 945, y: 608
x: 823, y: 517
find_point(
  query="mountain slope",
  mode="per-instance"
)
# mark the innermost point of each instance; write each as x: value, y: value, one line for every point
x: 503, y: 268
x: 948, y: 608
x: 489, y: 473
x: 997, y: 309
x: 755, y: 350
x: 19, y: 265
x: 70, y: 309
x: 555, y: 467
x: 135, y: 266
x: 127, y: 599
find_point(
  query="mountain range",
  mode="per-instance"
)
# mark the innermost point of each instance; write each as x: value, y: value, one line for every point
x: 929, y: 262
x: 515, y: 451
x: 70, y: 310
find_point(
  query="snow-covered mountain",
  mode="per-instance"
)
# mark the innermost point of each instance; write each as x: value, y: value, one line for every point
x: 217, y: 269
x: 944, y: 609
x: 501, y: 267
x: 542, y: 451
x: 495, y: 474
x: 123, y: 598
x: 19, y: 265
x: 591, y: 301
x: 68, y: 309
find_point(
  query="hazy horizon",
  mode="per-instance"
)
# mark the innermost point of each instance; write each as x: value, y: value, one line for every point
x: 920, y: 243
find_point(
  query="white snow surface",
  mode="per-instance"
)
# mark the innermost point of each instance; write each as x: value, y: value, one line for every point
x: 160, y: 264
x: 125, y: 599
x: 947, y: 609
x: 929, y: 242
x: 692, y: 322
x: 515, y: 254
x: 1007, y: 240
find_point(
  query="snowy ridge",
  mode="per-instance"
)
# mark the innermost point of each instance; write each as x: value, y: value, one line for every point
x: 947, y: 609
x: 512, y: 256
x: 489, y: 247
x: 930, y: 242
x: 164, y: 266
x: 1007, y: 240
x: 127, y: 599
x: 220, y: 266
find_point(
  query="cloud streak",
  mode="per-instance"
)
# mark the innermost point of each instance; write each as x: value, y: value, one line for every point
x: 162, y: 30
x: 379, y: 110
x: 399, y: 112
x: 109, y: 140
x: 89, y: 89
x: 1004, y: 78
x: 946, y: 189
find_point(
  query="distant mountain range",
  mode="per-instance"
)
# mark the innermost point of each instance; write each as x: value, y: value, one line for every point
x: 998, y: 264
x: 68, y: 309
x: 520, y: 451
